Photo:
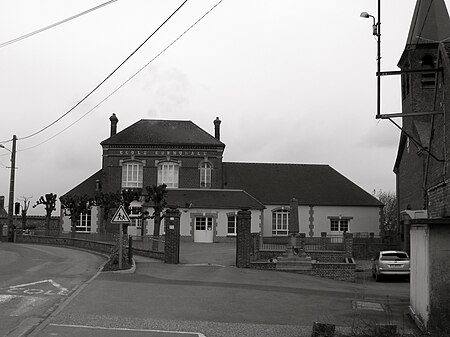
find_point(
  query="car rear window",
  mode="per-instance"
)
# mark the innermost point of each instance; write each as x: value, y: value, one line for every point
x: 394, y: 256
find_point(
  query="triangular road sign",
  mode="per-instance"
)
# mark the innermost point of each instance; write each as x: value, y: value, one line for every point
x: 120, y: 216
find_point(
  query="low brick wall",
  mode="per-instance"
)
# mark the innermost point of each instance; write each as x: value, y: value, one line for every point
x: 263, y: 265
x: 367, y: 250
x: 97, y: 246
x: 335, y: 271
x: 327, y: 256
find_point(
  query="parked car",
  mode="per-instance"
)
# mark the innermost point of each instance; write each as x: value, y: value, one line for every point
x: 390, y: 262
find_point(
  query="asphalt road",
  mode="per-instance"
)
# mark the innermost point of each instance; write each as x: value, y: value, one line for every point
x: 214, y: 301
x: 35, y: 279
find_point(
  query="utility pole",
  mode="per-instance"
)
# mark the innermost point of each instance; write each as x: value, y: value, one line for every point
x: 11, y: 191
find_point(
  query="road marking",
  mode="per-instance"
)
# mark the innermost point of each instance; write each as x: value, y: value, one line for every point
x: 126, y: 329
x: 6, y: 298
x: 26, y: 304
x: 360, y: 305
x: 17, y: 289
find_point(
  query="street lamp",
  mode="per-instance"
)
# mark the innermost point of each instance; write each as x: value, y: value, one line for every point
x: 376, y: 31
x: 11, y: 188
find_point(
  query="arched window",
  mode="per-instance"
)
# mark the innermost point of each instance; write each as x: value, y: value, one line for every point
x: 428, y: 79
x: 132, y: 174
x: 280, y: 221
x: 168, y: 173
x: 205, y: 174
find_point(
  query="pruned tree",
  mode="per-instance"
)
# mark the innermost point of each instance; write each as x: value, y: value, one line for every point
x: 390, y: 226
x: 157, y: 195
x: 49, y: 202
x: 74, y: 205
x: 107, y: 202
x: 25, y: 206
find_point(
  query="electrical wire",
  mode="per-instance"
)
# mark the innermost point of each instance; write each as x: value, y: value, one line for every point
x: 107, y: 77
x: 128, y: 80
x: 23, y: 37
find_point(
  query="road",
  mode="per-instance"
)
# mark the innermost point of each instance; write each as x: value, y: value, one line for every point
x: 35, y: 279
x: 213, y: 301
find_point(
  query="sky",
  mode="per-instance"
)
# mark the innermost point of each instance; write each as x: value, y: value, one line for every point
x: 292, y: 81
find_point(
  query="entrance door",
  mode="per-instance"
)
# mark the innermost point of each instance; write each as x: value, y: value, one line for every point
x: 203, y: 229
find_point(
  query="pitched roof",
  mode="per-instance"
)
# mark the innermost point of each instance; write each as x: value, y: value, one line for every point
x: 87, y: 186
x: 277, y: 184
x: 163, y: 132
x: 430, y: 22
x: 212, y: 199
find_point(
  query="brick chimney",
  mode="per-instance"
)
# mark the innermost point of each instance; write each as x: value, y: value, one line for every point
x: 217, y: 122
x: 114, y: 121
x: 2, y: 202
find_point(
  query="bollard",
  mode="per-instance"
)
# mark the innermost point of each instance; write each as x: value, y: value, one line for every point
x: 130, y: 250
x: 323, y: 330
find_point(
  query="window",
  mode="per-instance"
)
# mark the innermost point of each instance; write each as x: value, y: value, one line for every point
x: 168, y: 174
x: 280, y: 222
x: 205, y: 175
x: 203, y: 223
x: 84, y: 222
x: 132, y: 174
x: 338, y: 226
x: 428, y: 79
x: 232, y: 225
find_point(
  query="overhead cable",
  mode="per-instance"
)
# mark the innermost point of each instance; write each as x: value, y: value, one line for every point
x: 128, y: 80
x: 107, y: 77
x: 23, y: 37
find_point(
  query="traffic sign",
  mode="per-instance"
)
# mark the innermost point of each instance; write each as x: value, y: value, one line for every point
x: 120, y: 216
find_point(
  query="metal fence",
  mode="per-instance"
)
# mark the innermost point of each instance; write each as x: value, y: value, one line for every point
x: 333, y: 243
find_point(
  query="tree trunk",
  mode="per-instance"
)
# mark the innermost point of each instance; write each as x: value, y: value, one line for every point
x: 156, y: 230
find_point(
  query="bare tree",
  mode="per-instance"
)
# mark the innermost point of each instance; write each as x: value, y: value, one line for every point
x: 75, y: 205
x: 107, y: 202
x: 157, y: 194
x: 25, y: 207
x: 49, y: 201
x: 390, y: 226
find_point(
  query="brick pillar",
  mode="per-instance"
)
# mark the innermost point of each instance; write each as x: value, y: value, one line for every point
x: 243, y: 239
x: 294, y: 226
x: 348, y: 244
x: 172, y: 229
x: 323, y: 241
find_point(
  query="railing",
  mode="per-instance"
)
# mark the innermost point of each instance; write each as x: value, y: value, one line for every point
x: 333, y: 243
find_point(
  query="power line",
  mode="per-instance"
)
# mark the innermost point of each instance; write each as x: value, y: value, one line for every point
x: 23, y: 37
x: 128, y: 80
x: 107, y: 77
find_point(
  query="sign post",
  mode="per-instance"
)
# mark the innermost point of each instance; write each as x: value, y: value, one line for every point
x: 120, y: 217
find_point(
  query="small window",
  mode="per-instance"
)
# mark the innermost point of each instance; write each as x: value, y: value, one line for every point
x: 84, y: 222
x: 232, y: 225
x: 428, y: 79
x: 132, y: 176
x: 205, y: 175
x: 203, y: 223
x: 339, y: 226
x: 280, y: 222
x: 168, y: 174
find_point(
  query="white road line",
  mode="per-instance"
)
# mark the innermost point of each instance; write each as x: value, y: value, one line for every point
x: 126, y: 329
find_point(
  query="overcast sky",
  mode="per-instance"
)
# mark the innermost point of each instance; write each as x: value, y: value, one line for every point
x: 292, y: 81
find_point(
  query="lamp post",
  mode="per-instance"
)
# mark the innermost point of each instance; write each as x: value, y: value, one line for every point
x: 376, y: 31
x: 11, y: 188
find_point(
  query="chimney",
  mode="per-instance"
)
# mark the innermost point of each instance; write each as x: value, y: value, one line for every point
x: 217, y: 122
x: 2, y: 202
x: 114, y: 121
